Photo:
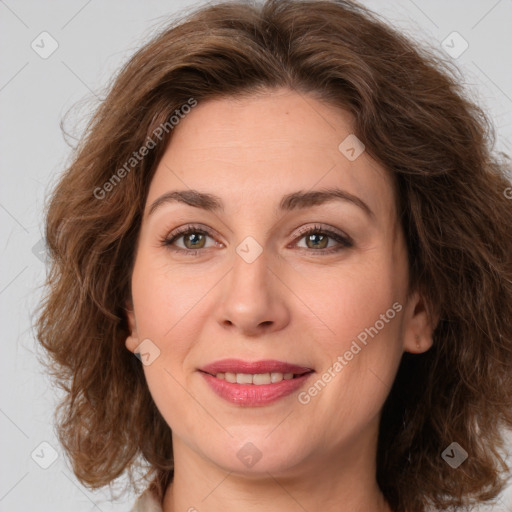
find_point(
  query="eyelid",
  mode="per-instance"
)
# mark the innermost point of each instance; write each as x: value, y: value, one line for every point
x: 177, y: 233
x: 343, y: 240
x: 323, y: 228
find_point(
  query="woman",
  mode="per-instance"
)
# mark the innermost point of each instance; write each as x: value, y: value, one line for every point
x: 292, y: 217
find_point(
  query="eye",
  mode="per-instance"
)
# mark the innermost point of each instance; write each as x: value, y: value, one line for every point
x: 317, y: 240
x: 194, y: 239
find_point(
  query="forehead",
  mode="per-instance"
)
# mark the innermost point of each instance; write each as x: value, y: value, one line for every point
x: 260, y: 148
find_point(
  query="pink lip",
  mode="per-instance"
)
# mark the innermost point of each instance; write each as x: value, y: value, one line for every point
x: 251, y: 394
x: 266, y: 366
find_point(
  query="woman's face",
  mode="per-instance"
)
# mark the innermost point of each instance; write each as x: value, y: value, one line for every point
x: 247, y: 283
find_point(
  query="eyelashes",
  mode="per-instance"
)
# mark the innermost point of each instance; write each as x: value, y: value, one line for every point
x: 184, y: 232
x: 344, y: 241
x: 317, y: 235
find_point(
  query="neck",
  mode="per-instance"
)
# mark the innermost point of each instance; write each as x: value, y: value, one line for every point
x: 272, y: 495
x: 322, y: 482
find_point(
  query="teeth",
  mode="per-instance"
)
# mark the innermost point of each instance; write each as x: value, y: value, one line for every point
x: 230, y: 377
x: 256, y: 378
x: 261, y: 378
x: 243, y: 378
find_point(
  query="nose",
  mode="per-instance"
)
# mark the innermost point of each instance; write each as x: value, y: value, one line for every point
x: 253, y: 299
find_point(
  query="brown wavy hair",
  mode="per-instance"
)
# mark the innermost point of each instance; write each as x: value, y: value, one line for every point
x: 412, y: 113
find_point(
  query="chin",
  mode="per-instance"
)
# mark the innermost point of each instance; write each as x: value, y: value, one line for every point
x: 255, y: 454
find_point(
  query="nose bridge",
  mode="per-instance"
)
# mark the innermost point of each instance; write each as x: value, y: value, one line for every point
x: 252, y: 299
x: 250, y: 280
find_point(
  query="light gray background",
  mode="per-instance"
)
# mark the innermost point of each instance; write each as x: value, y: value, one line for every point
x: 94, y: 38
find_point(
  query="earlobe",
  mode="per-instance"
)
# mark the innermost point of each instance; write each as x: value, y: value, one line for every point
x: 419, y: 326
x: 132, y: 341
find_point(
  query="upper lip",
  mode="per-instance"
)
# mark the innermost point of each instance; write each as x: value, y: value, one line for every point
x: 264, y: 366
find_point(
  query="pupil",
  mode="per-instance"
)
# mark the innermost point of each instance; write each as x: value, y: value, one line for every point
x: 321, y: 243
x: 194, y: 238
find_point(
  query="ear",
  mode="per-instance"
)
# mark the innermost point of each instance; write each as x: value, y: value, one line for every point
x: 132, y: 341
x: 419, y: 325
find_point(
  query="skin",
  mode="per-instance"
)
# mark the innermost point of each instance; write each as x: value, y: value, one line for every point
x: 290, y: 304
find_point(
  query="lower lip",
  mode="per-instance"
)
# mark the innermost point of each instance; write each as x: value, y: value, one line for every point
x: 254, y: 395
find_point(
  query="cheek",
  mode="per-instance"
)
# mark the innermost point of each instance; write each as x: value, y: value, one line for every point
x: 167, y: 304
x: 352, y: 298
x: 169, y: 391
x: 164, y: 297
x: 361, y: 331
x: 163, y: 305
x: 359, y: 361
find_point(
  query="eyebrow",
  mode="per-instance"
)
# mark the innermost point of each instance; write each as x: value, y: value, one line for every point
x: 294, y: 201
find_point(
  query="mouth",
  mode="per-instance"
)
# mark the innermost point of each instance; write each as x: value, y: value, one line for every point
x: 256, y: 379
x: 267, y: 366
x: 254, y: 384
